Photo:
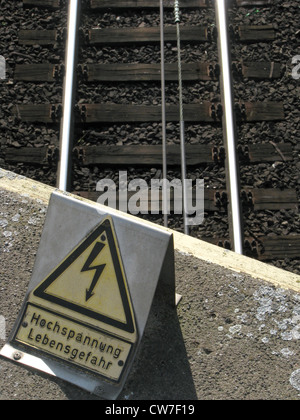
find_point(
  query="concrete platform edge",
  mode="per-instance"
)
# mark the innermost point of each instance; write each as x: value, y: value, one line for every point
x: 185, y: 244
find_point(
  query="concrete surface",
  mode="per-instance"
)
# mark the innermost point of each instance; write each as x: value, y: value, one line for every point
x: 234, y: 335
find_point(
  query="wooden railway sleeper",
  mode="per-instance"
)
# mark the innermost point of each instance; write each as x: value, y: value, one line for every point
x: 54, y: 4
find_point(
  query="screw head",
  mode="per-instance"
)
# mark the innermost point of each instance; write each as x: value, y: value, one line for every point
x: 17, y: 355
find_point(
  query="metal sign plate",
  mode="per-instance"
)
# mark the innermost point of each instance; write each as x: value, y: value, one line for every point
x: 90, y: 294
x: 72, y: 342
x: 88, y: 287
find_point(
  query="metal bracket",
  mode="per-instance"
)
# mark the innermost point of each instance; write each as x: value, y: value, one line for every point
x: 247, y: 198
x: 214, y: 71
x: 224, y: 244
x: 243, y: 152
x: 59, y: 72
x: 61, y: 35
x: 56, y: 112
x: 221, y: 199
x: 83, y: 72
x: 211, y: 33
x: 216, y: 111
x: 251, y: 247
x: 51, y: 155
x: 234, y: 32
x: 237, y: 69
x: 240, y: 111
x: 79, y: 154
x: 80, y: 111
x: 219, y: 154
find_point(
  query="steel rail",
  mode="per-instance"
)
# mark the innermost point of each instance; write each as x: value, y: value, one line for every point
x: 68, y: 96
x: 229, y: 126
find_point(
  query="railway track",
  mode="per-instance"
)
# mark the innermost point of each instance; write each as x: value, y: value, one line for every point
x: 118, y: 113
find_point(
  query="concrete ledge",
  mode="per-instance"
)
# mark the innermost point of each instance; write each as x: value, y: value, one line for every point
x: 192, y: 246
x: 234, y: 335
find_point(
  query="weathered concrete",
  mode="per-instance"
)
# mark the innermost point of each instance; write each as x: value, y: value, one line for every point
x: 234, y: 334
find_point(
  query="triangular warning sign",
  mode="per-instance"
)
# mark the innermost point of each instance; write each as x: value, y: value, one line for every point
x: 91, y: 281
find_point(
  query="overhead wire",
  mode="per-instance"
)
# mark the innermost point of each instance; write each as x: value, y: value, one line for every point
x: 181, y: 120
x: 163, y: 111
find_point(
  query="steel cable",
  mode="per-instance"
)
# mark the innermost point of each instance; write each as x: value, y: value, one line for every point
x: 181, y: 119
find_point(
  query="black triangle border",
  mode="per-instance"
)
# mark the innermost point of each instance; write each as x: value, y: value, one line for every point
x: 104, y: 227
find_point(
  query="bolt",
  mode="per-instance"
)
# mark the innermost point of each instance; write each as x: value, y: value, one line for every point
x: 17, y: 355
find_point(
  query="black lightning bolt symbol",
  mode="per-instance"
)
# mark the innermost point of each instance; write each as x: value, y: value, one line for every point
x: 99, y: 268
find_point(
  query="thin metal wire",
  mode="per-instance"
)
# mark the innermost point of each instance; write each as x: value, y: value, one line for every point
x: 163, y: 116
x: 181, y: 120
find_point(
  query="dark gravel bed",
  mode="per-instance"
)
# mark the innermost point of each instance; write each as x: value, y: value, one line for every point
x: 150, y: 94
x: 284, y: 15
x: 13, y: 132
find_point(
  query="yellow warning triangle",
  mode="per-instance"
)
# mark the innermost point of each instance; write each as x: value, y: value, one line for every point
x: 90, y: 282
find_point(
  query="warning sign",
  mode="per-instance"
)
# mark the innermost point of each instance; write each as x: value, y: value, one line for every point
x: 82, y: 312
x: 95, y: 277
x: 91, y: 281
